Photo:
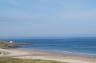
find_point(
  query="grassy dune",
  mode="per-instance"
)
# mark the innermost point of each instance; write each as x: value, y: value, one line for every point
x: 13, y: 60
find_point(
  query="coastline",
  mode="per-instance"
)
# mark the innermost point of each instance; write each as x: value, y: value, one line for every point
x: 71, y: 53
x: 47, y: 55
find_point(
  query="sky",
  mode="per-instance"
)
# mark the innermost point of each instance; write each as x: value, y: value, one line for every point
x: 47, y: 18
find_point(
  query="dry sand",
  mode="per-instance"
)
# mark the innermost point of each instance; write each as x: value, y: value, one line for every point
x: 45, y: 55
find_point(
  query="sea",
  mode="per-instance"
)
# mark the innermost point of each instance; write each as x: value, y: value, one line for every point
x: 83, y: 46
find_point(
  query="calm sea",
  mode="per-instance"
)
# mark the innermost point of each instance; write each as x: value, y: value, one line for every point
x: 77, y: 46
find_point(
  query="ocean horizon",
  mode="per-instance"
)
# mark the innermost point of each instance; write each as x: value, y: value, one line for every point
x: 84, y: 46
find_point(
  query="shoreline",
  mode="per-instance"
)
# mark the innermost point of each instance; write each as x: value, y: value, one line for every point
x: 47, y: 55
x: 63, y: 53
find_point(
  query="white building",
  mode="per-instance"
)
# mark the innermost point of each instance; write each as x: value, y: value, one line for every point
x: 10, y: 41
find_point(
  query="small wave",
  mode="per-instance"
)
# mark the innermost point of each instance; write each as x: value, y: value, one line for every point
x: 77, y: 53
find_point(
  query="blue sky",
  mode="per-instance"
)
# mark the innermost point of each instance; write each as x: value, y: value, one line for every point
x: 47, y: 18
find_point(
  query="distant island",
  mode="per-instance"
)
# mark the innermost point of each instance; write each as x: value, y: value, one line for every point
x: 11, y: 44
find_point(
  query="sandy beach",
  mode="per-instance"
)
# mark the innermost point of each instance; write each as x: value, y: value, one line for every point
x: 45, y: 55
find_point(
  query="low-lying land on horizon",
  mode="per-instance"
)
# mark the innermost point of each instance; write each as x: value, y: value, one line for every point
x: 11, y: 44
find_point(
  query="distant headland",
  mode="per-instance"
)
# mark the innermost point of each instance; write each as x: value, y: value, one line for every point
x: 11, y: 44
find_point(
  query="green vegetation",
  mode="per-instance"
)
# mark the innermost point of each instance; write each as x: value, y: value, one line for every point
x: 13, y: 60
x: 3, y: 44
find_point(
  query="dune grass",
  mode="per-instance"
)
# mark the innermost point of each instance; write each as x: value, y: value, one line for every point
x: 4, y: 53
x: 14, y: 60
